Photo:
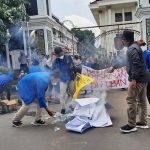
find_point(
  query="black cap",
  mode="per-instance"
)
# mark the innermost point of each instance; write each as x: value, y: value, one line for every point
x: 58, y: 50
x: 128, y: 35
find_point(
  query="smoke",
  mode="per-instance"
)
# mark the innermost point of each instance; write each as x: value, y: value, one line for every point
x: 101, y: 94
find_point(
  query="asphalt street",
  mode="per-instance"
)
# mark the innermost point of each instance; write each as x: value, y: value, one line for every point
x: 32, y: 137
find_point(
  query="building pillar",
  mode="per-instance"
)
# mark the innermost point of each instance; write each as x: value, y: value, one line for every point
x: 100, y: 17
x: 109, y: 15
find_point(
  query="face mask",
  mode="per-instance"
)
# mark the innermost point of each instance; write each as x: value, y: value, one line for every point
x: 54, y: 83
x: 143, y: 49
x: 61, y: 57
x: 22, y: 73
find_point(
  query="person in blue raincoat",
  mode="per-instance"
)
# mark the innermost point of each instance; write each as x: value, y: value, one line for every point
x: 5, y: 85
x: 34, y: 86
x: 36, y: 67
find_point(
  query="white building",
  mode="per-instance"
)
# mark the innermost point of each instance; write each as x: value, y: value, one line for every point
x: 118, y: 14
x: 43, y: 32
x: 143, y: 14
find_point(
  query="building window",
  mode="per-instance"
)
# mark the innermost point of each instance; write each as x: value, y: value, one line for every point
x: 33, y: 8
x: 149, y: 1
x: 47, y: 4
x: 118, y: 17
x: 128, y: 16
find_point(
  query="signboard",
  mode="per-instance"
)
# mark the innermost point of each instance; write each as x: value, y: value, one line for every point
x: 103, y: 80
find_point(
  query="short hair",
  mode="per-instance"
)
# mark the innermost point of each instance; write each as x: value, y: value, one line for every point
x: 56, y: 73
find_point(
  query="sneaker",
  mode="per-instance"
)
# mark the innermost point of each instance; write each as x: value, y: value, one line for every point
x: 63, y: 111
x: 140, y: 125
x: 128, y: 128
x: 17, y: 124
x: 40, y: 123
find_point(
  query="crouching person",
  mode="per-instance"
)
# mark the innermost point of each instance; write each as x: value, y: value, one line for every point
x: 33, y: 86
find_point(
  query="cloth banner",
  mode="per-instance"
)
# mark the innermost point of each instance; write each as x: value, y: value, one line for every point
x: 81, y: 82
x: 104, y: 80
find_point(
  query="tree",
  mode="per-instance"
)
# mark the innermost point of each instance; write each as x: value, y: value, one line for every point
x: 12, y: 12
x: 86, y: 40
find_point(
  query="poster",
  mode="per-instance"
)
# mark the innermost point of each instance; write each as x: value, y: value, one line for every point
x: 103, y: 80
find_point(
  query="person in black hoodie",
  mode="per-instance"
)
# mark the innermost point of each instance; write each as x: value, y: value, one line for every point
x: 138, y: 79
x: 66, y: 65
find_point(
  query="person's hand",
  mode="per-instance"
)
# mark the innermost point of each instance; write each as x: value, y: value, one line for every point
x: 110, y: 70
x: 133, y: 84
x: 47, y: 99
x: 50, y: 112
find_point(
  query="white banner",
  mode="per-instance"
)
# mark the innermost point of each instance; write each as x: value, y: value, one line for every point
x: 103, y: 80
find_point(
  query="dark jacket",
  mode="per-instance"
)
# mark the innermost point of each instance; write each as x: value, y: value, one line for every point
x: 69, y: 65
x: 135, y: 64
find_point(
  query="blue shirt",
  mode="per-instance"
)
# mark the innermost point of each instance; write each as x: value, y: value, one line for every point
x: 4, y: 78
x: 33, y: 86
x: 36, y: 68
x: 65, y: 75
x: 147, y: 59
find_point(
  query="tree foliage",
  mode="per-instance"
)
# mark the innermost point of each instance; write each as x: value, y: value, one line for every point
x: 86, y: 40
x: 12, y: 12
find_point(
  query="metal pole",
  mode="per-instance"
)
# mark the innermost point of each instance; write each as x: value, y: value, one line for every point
x: 72, y: 43
x: 107, y: 25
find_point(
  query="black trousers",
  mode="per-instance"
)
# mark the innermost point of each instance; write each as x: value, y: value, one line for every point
x: 24, y: 67
x: 148, y: 92
x: 6, y: 88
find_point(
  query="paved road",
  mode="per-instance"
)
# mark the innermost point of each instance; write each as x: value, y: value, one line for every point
x: 45, y: 138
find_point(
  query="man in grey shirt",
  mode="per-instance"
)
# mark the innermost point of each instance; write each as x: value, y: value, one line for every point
x: 138, y: 79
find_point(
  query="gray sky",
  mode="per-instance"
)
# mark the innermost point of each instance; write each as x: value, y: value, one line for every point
x: 66, y: 8
x: 76, y: 11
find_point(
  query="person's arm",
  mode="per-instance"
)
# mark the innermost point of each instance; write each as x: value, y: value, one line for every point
x: 41, y: 88
x: 135, y: 64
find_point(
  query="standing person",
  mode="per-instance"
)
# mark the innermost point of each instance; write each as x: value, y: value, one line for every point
x: 23, y: 60
x: 56, y: 87
x: 77, y: 63
x: 138, y: 78
x: 34, y: 86
x: 35, y: 67
x: 21, y: 75
x: 147, y: 62
x: 5, y: 85
x: 66, y: 65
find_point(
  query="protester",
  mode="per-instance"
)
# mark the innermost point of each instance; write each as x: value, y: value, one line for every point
x: 56, y: 87
x: 5, y: 85
x: 66, y: 65
x: 23, y: 60
x: 138, y: 78
x: 42, y: 60
x: 34, y: 86
x: 147, y: 61
x: 35, y: 67
x: 77, y: 63
x: 21, y: 75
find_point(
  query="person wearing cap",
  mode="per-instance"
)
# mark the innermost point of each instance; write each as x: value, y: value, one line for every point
x: 66, y: 65
x: 23, y: 60
x: 33, y: 86
x: 35, y: 67
x: 138, y: 79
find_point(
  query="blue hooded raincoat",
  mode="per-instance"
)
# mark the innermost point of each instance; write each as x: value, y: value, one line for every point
x: 34, y: 86
x: 4, y: 78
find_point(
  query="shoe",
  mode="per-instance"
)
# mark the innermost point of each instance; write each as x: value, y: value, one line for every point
x: 128, y: 128
x: 148, y: 116
x: 140, y: 125
x: 40, y: 123
x: 17, y: 124
x: 63, y: 111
